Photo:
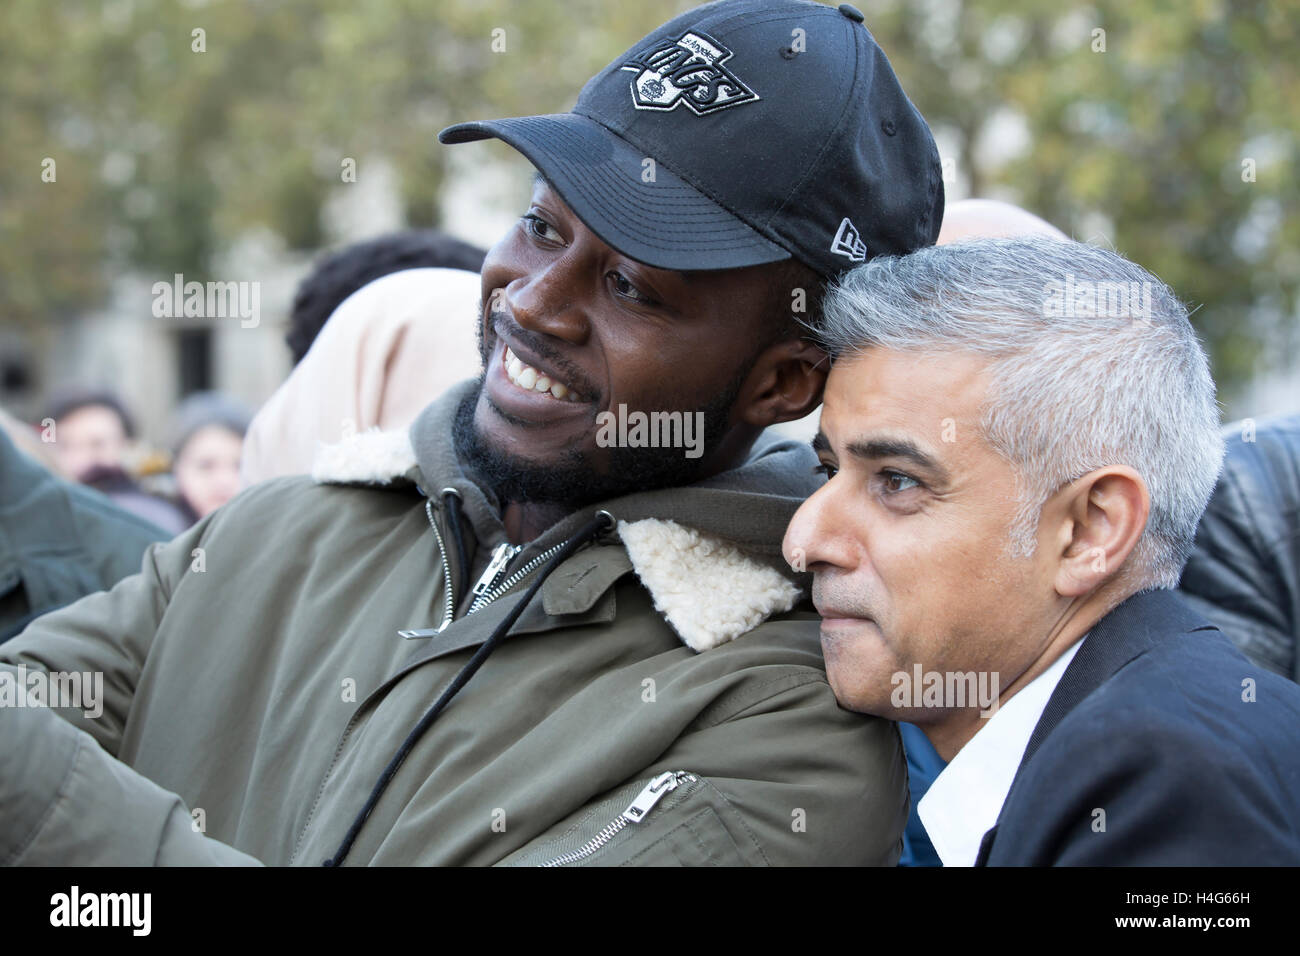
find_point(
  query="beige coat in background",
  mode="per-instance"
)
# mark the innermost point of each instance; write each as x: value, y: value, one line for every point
x: 389, y: 350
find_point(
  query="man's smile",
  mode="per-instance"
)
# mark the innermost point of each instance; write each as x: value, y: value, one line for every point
x: 531, y: 379
x: 527, y: 391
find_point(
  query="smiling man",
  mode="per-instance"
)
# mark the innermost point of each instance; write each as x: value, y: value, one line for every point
x: 575, y: 330
x: 1015, y: 482
x: 498, y: 637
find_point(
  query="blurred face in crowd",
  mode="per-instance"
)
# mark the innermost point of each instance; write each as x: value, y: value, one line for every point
x: 571, y: 328
x: 907, y: 540
x: 207, y: 468
x: 89, y: 437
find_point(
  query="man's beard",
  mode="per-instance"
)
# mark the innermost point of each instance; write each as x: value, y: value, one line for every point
x: 570, y: 481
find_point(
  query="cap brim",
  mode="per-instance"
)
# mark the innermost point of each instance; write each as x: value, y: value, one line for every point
x: 644, y: 211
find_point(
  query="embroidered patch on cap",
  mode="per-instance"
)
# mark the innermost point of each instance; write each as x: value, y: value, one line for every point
x: 687, y: 70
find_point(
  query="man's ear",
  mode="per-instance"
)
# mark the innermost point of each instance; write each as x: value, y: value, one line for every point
x: 1095, y: 524
x: 785, y: 385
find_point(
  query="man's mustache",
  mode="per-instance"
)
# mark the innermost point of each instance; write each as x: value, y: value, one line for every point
x: 499, y: 321
x: 834, y: 594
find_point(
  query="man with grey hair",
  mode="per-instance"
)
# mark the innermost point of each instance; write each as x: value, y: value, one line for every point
x: 1020, y: 436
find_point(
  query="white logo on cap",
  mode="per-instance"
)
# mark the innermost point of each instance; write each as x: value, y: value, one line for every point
x: 687, y: 70
x: 848, y: 242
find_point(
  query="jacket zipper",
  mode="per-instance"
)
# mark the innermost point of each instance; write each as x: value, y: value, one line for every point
x: 487, y: 589
x: 502, y: 555
x: 449, y: 599
x: 637, y: 811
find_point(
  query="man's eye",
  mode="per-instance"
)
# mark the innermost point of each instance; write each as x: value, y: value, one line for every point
x: 896, y: 482
x: 539, y: 228
x: 626, y: 289
x: 829, y: 471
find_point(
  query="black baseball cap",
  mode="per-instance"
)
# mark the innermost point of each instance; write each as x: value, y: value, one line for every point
x: 777, y: 128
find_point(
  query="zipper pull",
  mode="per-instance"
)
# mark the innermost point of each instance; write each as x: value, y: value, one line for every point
x: 654, y: 791
x: 501, y: 557
x: 413, y: 633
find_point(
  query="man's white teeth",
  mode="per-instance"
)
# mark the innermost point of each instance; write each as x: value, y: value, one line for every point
x: 528, y: 378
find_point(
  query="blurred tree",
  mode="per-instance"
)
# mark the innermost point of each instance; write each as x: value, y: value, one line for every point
x: 170, y: 143
x: 1169, y: 131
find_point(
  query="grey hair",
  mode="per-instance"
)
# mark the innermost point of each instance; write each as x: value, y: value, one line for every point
x: 1093, y: 362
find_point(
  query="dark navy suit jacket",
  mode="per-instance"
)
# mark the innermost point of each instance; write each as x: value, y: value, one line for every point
x: 1151, y: 752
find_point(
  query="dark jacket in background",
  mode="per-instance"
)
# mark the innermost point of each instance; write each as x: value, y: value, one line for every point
x: 125, y: 492
x: 1244, y: 572
x: 58, y: 541
x: 1161, y: 746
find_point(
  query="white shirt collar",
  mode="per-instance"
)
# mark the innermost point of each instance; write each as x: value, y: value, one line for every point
x: 965, y: 799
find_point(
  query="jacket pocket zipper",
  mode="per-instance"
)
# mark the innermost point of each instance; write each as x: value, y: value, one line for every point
x: 636, y: 811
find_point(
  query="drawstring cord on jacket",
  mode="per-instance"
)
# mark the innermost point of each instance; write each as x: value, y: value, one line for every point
x: 601, y: 522
x: 452, y: 497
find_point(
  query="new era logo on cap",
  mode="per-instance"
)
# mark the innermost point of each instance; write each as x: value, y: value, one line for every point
x: 688, y: 69
x: 848, y: 242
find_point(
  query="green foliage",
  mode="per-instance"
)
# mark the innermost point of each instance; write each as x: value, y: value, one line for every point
x: 1151, y: 134
x: 165, y: 154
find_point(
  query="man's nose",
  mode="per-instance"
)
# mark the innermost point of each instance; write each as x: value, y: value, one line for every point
x: 553, y: 300
x: 819, y: 533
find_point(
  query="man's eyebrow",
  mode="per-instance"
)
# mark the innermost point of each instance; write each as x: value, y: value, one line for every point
x: 872, y: 448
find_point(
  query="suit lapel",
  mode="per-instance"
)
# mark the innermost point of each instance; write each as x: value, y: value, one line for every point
x: 1127, y: 632
x: 986, y: 845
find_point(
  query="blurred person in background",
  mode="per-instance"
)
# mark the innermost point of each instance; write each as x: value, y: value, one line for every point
x: 208, y: 439
x: 991, y: 219
x: 342, y: 273
x: 58, y: 541
x: 389, y: 350
x: 1244, y: 571
x: 93, y: 434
